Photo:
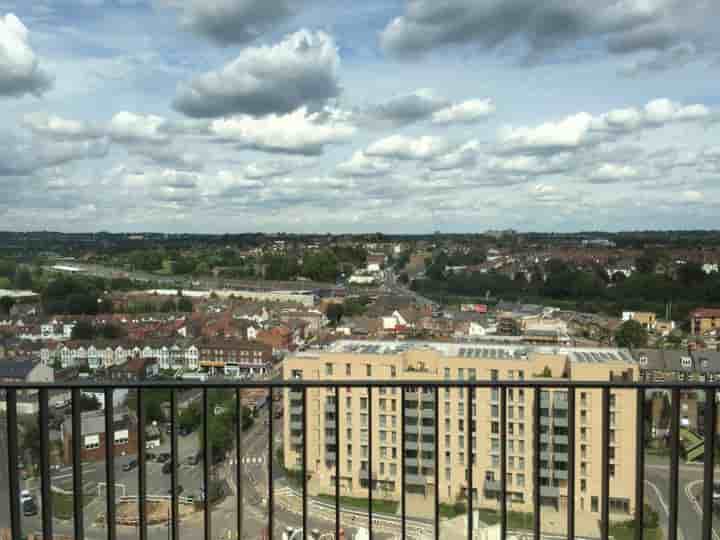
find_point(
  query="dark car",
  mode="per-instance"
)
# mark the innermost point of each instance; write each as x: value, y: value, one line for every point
x: 29, y: 508
x: 184, y: 431
x: 179, y: 490
x: 167, y: 467
x: 162, y: 458
x: 130, y: 465
x: 195, y: 458
x: 150, y: 456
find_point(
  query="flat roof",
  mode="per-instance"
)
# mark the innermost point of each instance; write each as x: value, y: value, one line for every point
x: 481, y: 351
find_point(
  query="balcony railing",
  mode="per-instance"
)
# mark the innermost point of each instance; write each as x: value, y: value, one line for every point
x: 413, y: 477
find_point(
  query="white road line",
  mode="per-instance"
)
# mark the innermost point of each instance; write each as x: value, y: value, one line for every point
x: 663, y: 504
x: 696, y: 504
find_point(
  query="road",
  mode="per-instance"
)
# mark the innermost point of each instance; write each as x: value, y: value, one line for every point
x: 205, y: 282
x: 690, y: 481
x: 255, y: 489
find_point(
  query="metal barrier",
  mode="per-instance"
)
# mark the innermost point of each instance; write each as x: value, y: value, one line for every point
x: 385, y: 523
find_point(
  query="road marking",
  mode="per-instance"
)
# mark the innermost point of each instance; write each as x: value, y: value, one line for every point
x: 696, y: 504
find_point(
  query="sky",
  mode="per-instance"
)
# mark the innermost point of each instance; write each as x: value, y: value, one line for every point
x: 395, y: 116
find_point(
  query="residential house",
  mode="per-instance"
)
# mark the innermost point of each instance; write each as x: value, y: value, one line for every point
x: 92, y: 448
x: 704, y: 321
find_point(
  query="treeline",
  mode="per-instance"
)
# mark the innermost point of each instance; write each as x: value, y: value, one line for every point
x: 590, y: 289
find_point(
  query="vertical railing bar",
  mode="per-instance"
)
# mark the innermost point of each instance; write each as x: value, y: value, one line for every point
x: 708, y: 473
x: 674, y: 464
x: 370, y: 462
x: 639, y: 464
x: 110, y: 464
x: 78, y: 521
x: 12, y: 438
x: 142, y: 474
x: 174, y: 510
x: 238, y: 462
x: 402, y: 464
x: 468, y: 434
x: 337, y: 461
x: 536, y: 463
x: 207, y: 460
x: 437, y: 463
x: 605, y: 479
x: 271, y: 497
x: 503, y: 463
x: 304, y: 465
x: 45, y: 480
x: 571, y: 464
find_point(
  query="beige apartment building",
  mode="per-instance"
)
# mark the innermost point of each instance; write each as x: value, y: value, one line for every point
x: 433, y: 362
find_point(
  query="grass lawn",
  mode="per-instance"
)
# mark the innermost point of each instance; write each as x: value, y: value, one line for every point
x: 619, y: 532
x: 379, y: 506
x: 689, y: 438
x: 449, y: 511
x: 62, y: 504
x: 516, y: 520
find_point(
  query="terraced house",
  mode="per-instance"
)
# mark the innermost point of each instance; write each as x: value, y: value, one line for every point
x: 380, y: 414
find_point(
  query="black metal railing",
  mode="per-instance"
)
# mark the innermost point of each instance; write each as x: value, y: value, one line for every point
x: 11, y: 391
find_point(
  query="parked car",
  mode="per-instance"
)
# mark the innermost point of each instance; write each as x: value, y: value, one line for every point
x: 150, y: 456
x: 130, y: 465
x: 195, y: 458
x: 29, y: 508
x: 179, y: 490
x: 184, y: 431
x: 167, y: 467
x: 162, y: 458
x: 25, y: 495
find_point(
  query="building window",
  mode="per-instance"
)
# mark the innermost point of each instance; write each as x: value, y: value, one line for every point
x: 368, y: 370
x: 494, y: 411
x: 511, y: 411
x: 593, y: 504
x: 363, y: 403
x: 521, y: 375
x: 348, y: 369
x: 461, y: 373
x: 494, y: 375
x: 447, y: 372
x: 472, y: 373
x: 520, y: 480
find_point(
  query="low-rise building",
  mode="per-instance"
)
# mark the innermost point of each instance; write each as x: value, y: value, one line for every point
x: 94, y: 438
x: 704, y: 321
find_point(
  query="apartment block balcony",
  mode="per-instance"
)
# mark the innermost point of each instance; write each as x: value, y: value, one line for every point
x: 103, y: 484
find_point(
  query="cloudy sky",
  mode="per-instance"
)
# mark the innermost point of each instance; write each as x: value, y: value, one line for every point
x: 346, y: 116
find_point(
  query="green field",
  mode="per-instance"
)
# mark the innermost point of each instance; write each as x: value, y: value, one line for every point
x: 379, y: 506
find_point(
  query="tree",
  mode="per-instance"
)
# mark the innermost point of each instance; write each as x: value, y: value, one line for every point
x: 320, y: 266
x: 334, y: 313
x: 112, y: 331
x: 190, y: 417
x: 30, y: 438
x: 6, y: 304
x: 83, y: 330
x: 89, y: 402
x: 168, y: 306
x: 23, y: 279
x: 185, y: 305
x: 631, y: 334
x: 647, y: 262
x: 691, y: 274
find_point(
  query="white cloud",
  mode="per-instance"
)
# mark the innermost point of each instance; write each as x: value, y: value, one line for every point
x: 51, y: 125
x: 408, y: 148
x: 465, y: 112
x: 464, y: 156
x: 129, y: 127
x: 301, y: 70
x: 20, y: 71
x: 362, y: 165
x: 611, y: 172
x: 583, y: 128
x: 298, y: 132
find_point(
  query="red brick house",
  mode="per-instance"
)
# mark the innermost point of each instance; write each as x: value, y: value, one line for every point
x: 94, y: 439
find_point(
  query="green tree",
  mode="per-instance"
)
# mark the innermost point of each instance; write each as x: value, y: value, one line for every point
x: 190, y: 417
x: 112, y: 331
x: 185, y: 305
x: 647, y: 262
x: 6, y: 304
x: 89, y: 402
x: 168, y: 306
x: 83, y: 330
x: 320, y: 266
x: 30, y: 438
x: 334, y: 313
x: 631, y: 334
x: 23, y: 279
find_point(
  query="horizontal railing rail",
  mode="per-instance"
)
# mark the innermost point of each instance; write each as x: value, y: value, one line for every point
x: 413, y: 441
